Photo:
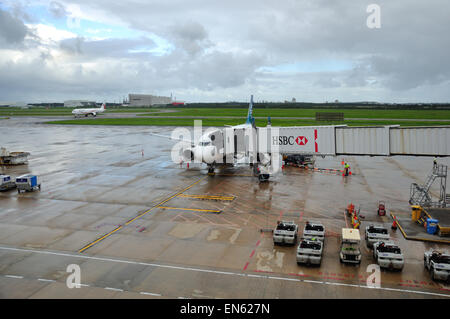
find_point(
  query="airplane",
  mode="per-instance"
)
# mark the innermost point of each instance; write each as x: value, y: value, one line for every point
x: 86, y: 112
x: 204, y: 151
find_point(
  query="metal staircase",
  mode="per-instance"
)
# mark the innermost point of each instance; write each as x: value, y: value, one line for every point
x: 420, y: 194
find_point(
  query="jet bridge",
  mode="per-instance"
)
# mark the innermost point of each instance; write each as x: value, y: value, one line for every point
x: 261, y: 145
x: 345, y: 140
x: 332, y: 140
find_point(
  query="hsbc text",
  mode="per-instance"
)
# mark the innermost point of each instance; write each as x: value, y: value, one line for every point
x: 289, y: 140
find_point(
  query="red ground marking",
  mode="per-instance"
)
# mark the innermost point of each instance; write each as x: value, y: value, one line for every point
x: 281, y: 216
x: 253, y: 252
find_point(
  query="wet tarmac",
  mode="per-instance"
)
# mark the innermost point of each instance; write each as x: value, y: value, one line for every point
x: 148, y: 228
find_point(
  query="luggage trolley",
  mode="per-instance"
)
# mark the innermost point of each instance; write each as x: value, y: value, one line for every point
x: 27, y: 183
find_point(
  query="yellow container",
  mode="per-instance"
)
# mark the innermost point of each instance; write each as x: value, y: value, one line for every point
x: 416, y: 211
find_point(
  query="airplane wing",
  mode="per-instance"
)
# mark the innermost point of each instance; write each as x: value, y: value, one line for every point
x: 172, y: 138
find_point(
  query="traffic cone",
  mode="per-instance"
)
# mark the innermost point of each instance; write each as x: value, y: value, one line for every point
x: 394, y: 224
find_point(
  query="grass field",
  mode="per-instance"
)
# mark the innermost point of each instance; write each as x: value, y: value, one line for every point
x: 221, y: 122
x: 348, y: 113
x: 242, y: 113
x: 353, y: 117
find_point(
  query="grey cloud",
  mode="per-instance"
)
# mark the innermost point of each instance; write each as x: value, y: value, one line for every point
x: 72, y: 46
x: 19, y: 12
x: 57, y: 9
x: 93, y: 49
x: 327, y: 81
x: 12, y: 29
x: 189, y: 36
x: 218, y: 46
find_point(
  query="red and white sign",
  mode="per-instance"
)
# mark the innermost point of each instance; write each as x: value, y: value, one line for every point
x: 301, y: 140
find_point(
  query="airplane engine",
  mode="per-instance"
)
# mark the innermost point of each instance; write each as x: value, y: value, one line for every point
x: 94, y: 114
x: 199, y: 154
x: 188, y: 155
x: 209, y: 154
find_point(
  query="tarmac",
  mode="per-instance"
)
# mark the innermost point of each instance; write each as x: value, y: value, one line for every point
x: 140, y: 226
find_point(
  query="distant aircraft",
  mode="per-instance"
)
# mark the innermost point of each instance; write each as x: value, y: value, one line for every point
x: 86, y: 112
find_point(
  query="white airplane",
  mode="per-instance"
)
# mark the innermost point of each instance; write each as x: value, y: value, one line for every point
x: 86, y: 112
x: 204, y: 151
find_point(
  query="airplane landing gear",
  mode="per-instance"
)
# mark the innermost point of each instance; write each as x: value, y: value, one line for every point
x: 211, y: 171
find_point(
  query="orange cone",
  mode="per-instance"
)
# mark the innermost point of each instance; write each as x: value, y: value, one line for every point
x: 394, y: 224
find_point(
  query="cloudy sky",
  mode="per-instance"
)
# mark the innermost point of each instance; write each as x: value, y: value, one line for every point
x: 212, y: 50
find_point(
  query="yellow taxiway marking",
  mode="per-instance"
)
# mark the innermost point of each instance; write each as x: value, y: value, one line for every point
x: 193, y: 209
x: 137, y: 217
x: 214, y: 197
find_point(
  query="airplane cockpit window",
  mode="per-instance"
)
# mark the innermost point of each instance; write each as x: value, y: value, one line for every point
x: 204, y: 143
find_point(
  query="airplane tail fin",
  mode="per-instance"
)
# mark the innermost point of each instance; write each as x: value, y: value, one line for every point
x: 250, y: 119
x: 103, y: 106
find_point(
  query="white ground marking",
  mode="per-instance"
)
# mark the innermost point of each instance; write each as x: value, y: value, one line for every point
x: 114, y: 289
x: 13, y: 276
x: 214, y: 271
x: 150, y: 293
x: 46, y: 280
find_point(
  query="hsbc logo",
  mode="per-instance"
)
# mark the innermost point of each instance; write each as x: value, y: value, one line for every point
x: 301, y: 140
x: 289, y: 140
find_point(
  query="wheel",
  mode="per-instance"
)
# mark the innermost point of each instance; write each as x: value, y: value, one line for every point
x: 433, y: 276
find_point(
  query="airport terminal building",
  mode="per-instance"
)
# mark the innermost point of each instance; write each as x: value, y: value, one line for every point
x: 148, y: 100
